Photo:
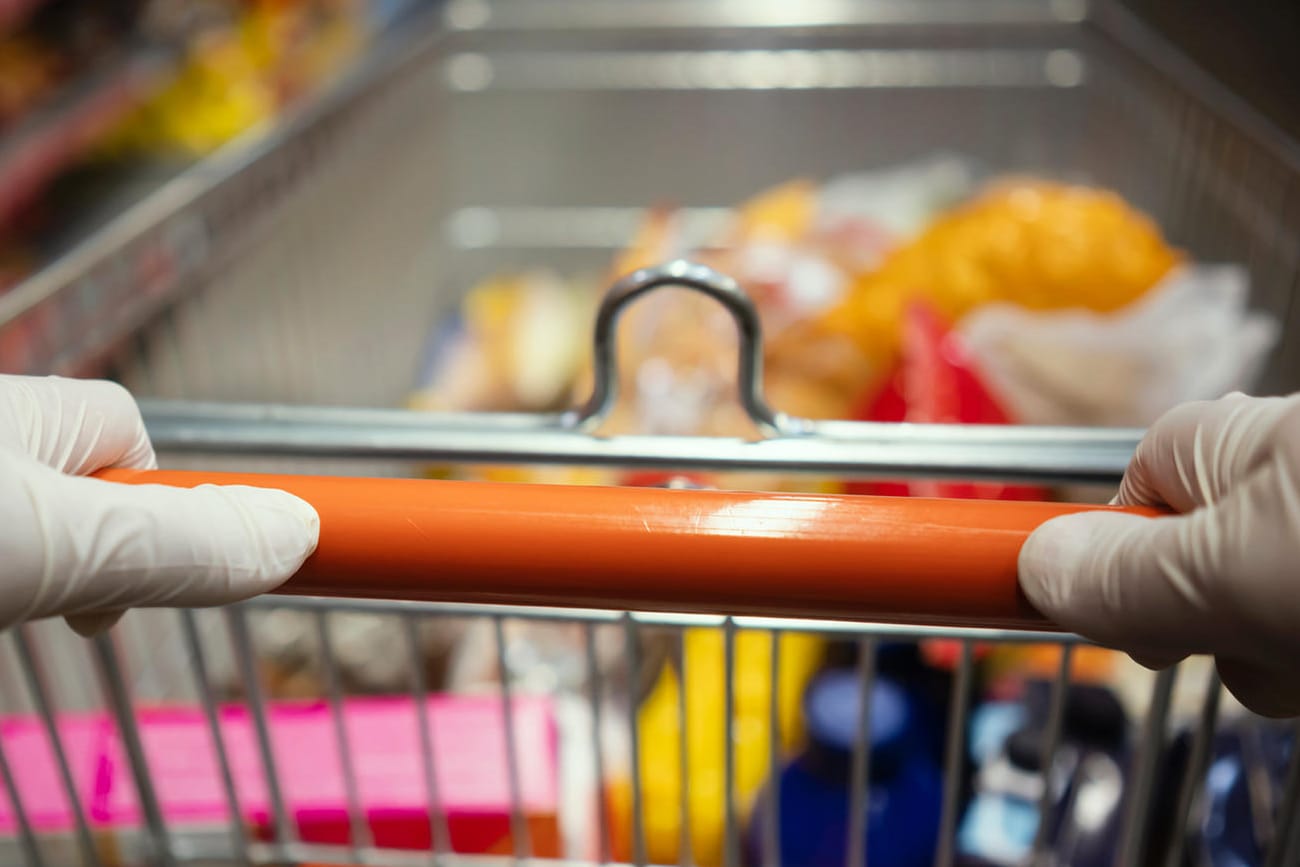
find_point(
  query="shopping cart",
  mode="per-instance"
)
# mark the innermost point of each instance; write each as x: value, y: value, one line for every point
x: 307, y: 266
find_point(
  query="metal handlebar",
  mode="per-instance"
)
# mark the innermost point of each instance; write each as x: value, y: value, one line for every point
x: 702, y: 279
x: 880, y: 559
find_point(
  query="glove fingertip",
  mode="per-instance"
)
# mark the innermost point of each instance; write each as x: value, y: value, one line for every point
x: 287, y: 526
x: 156, y: 545
x: 1069, y: 567
x: 1155, y: 660
x: 92, y: 624
x: 1050, y: 558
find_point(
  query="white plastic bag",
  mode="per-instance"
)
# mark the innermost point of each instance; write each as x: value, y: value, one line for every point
x: 1189, y: 338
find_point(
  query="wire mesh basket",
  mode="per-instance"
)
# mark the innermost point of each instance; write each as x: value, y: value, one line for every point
x: 309, y: 267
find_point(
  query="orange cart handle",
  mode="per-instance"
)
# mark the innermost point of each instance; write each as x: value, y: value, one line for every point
x: 913, y: 560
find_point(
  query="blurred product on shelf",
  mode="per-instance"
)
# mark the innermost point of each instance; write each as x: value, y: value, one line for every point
x: 901, y: 817
x: 246, y: 61
x: 704, y: 694
x: 28, y: 72
x: 469, y: 763
x: 15, y: 12
x: 68, y: 73
x: 56, y: 41
x: 14, y: 263
x: 51, y: 144
x: 1007, y: 742
x: 102, y: 101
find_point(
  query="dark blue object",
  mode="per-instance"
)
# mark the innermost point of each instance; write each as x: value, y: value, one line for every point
x: 1084, y: 810
x: 906, y: 785
x: 1243, y: 787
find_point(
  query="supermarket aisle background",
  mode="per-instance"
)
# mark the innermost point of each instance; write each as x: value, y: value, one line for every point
x: 435, y: 231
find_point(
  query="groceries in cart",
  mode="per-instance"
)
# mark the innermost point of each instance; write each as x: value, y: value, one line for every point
x: 697, y: 683
x: 1057, y: 303
x: 813, y: 819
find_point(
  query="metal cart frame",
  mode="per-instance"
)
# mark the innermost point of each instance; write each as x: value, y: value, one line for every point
x: 1227, y: 187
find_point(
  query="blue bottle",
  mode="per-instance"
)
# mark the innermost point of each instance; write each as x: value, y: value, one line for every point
x: 1003, y: 816
x: 906, y: 785
x: 1235, y: 822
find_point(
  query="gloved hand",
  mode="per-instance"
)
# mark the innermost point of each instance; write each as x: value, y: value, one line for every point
x: 1222, y: 578
x: 88, y: 549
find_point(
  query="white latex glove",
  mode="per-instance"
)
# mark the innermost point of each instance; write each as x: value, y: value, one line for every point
x: 1222, y: 578
x: 88, y: 549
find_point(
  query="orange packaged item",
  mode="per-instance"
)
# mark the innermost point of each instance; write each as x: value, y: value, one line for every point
x: 1035, y: 244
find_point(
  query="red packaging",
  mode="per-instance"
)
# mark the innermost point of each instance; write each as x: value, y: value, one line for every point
x: 936, y: 381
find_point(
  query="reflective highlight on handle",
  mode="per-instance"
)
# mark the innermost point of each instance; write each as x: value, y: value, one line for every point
x: 883, y: 559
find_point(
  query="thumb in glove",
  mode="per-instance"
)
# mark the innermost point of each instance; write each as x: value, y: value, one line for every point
x: 1222, y: 577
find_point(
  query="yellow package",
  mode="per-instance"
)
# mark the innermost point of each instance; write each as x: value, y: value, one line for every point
x: 1036, y: 244
x: 241, y: 75
x: 660, y: 754
x: 784, y: 214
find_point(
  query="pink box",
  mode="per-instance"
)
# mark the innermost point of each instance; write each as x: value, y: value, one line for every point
x: 468, y: 735
x: 36, y: 773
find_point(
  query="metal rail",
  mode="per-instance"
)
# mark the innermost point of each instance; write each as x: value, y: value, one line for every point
x: 850, y: 449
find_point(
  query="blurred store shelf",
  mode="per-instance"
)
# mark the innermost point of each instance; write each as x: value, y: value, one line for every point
x: 15, y: 12
x: 82, y: 112
x: 66, y: 316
